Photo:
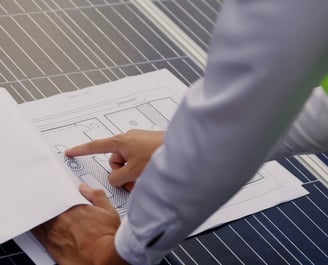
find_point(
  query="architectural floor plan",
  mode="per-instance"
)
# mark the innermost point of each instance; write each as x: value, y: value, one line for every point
x: 100, y: 119
x: 143, y: 102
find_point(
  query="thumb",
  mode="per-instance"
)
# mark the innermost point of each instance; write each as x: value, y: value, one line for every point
x: 96, y: 196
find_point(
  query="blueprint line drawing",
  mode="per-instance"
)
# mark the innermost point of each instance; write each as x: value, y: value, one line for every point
x: 153, y: 115
x: 87, y: 170
x: 87, y: 125
x: 99, y: 121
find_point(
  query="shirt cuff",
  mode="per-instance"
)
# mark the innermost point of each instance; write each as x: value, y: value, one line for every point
x: 130, y: 249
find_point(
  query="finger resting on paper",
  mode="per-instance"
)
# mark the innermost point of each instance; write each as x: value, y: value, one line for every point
x: 94, y: 147
x: 95, y: 196
x: 116, y: 161
x: 120, y: 176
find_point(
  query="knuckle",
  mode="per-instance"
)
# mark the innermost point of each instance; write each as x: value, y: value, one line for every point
x: 94, y: 144
x: 117, y: 139
x: 132, y: 131
x: 98, y: 193
x: 62, y: 218
x: 53, y: 235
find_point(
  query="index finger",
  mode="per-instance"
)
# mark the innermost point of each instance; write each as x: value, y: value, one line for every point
x: 101, y: 146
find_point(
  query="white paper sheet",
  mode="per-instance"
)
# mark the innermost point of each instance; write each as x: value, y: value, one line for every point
x: 34, y: 185
x: 273, y: 184
x: 147, y: 102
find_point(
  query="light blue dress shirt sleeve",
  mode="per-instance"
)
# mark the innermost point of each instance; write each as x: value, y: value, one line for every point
x: 308, y: 134
x: 264, y: 60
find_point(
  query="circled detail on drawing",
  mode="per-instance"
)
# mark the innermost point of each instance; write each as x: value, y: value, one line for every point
x: 74, y: 164
x: 133, y: 123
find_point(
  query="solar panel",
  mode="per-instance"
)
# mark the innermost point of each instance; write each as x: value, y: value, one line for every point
x: 53, y: 46
x: 66, y: 46
x: 196, y: 18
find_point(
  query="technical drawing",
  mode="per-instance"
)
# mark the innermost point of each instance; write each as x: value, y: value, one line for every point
x: 147, y: 116
x: 94, y: 169
x: 75, y: 133
x: 88, y: 171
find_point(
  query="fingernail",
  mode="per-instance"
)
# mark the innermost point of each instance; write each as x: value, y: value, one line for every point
x: 67, y: 150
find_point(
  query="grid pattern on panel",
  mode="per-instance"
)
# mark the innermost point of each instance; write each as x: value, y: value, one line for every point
x: 291, y: 233
x: 58, y: 46
x: 196, y: 18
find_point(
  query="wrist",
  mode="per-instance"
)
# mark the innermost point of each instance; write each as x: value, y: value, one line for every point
x: 110, y: 256
x: 116, y: 258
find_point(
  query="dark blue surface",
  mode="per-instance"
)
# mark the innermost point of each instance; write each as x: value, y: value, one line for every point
x: 294, y: 232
